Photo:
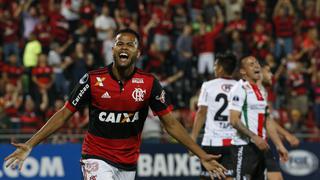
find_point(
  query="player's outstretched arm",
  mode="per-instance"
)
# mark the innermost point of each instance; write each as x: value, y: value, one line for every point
x: 24, y: 149
x: 176, y: 130
x: 292, y: 140
x: 237, y: 124
x: 274, y: 136
x: 198, y: 122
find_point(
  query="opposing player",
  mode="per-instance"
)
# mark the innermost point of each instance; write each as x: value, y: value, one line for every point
x: 212, y: 110
x: 118, y: 97
x: 248, y: 115
x: 271, y: 165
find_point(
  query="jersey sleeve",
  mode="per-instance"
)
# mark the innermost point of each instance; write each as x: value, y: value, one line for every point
x: 80, y: 95
x: 159, y: 101
x: 203, y: 97
x: 237, y: 97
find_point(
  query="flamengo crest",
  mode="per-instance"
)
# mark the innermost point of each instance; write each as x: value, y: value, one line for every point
x: 138, y: 94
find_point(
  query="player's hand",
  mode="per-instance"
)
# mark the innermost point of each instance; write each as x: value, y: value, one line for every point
x: 283, y: 153
x: 260, y: 143
x: 18, y: 156
x: 292, y: 140
x: 213, y: 167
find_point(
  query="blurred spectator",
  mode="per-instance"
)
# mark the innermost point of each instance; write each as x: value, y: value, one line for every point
x: 210, y: 10
x: 12, y: 72
x: 236, y: 44
x: 43, y: 78
x: 162, y: 16
x: 78, y: 67
x: 180, y: 19
x: 233, y: 8
x: 30, y: 119
x: 107, y: 48
x: 204, y: 45
x: 12, y: 100
x: 184, y: 50
x: 104, y: 23
x: 298, y: 91
x: 59, y: 25
x: 9, y: 35
x: 70, y: 9
x: 55, y: 60
x: 260, y: 43
x: 152, y: 131
x: 42, y: 31
x: 284, y: 26
x: 32, y: 50
x: 155, y: 59
x: 30, y: 18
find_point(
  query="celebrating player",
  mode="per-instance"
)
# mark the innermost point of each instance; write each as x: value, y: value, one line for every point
x: 213, y: 103
x: 118, y: 96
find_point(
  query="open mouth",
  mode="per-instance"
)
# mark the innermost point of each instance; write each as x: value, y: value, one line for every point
x: 257, y: 72
x: 124, y: 56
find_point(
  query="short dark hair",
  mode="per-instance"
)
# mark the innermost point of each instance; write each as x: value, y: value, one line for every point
x: 228, y: 61
x: 131, y: 31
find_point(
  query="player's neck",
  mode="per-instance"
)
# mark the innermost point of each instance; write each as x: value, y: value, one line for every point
x: 122, y: 74
x: 251, y: 81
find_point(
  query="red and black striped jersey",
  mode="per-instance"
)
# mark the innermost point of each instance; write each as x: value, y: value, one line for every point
x: 117, y: 113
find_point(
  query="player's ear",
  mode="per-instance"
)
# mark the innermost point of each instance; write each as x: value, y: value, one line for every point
x: 138, y: 54
x: 242, y: 72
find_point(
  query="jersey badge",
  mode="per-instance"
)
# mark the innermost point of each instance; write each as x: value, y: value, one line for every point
x: 138, y: 94
x: 226, y: 87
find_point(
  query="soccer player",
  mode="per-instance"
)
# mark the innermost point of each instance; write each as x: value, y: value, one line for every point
x: 118, y: 96
x: 213, y: 103
x: 248, y: 115
x: 272, y: 167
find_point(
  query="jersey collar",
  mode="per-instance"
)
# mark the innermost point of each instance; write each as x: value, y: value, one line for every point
x: 113, y: 76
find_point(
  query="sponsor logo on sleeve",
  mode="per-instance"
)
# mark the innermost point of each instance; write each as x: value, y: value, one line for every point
x: 138, y: 94
x: 161, y: 97
x: 80, y: 94
x: 99, y: 81
x: 84, y: 79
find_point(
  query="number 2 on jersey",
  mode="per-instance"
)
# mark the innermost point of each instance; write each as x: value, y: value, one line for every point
x: 219, y: 116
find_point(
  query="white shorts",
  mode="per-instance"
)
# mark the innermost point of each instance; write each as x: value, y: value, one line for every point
x: 206, y: 62
x: 95, y: 169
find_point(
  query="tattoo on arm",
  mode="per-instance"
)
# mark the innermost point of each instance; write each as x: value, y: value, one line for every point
x: 243, y: 129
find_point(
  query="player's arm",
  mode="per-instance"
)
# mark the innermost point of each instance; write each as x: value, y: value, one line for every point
x: 160, y: 105
x: 176, y: 130
x: 198, y: 122
x: 274, y: 136
x: 292, y: 140
x: 78, y: 98
x: 201, y: 112
x: 24, y: 149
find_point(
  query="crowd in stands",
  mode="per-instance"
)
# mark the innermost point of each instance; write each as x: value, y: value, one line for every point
x: 47, y: 46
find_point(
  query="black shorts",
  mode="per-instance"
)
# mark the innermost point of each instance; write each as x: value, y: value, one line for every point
x: 271, y: 162
x: 248, y: 162
x: 225, y: 160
